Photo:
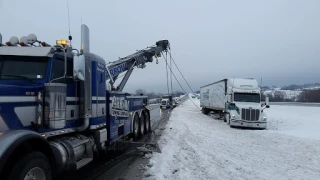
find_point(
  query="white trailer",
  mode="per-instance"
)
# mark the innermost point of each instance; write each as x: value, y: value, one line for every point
x: 237, y: 100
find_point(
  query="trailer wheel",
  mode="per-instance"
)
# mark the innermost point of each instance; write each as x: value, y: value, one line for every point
x: 147, y: 123
x: 205, y: 111
x: 34, y: 165
x: 142, y: 124
x: 136, y: 127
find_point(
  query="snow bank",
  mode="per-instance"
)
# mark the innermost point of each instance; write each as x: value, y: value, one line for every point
x: 195, y: 146
x: 299, y: 121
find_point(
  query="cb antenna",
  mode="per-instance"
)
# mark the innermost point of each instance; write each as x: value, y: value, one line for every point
x: 70, y: 37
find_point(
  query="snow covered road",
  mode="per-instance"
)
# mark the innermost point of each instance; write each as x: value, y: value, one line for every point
x: 195, y: 146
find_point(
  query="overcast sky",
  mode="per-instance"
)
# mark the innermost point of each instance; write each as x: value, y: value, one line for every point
x: 278, y: 40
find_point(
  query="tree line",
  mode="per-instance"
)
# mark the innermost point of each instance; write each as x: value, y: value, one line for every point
x: 153, y: 95
x: 306, y: 95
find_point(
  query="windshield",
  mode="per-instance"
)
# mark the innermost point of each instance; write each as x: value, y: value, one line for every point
x: 22, y: 67
x: 247, y: 97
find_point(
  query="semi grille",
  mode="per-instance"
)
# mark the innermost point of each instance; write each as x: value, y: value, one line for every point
x: 250, y: 114
x: 164, y: 102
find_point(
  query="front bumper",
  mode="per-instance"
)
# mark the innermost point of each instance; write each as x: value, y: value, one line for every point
x: 250, y: 124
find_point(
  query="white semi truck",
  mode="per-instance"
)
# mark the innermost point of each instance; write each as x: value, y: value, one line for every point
x: 166, y: 101
x: 237, y: 100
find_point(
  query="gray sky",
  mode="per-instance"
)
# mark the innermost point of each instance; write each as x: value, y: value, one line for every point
x: 278, y: 40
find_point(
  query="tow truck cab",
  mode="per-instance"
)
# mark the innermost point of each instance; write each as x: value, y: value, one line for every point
x: 57, y: 111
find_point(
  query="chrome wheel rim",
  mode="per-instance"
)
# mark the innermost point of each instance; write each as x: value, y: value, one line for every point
x: 35, y: 174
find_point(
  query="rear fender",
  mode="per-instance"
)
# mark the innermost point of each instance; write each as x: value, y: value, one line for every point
x: 13, y: 141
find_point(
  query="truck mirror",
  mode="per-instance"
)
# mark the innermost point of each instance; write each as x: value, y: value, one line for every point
x: 267, y: 101
x: 79, y: 67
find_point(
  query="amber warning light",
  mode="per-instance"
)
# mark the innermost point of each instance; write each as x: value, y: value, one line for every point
x: 63, y: 42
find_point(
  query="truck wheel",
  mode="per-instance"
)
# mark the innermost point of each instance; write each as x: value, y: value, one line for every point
x: 136, y: 127
x: 205, y: 111
x: 142, y: 124
x: 147, y: 123
x: 227, y: 119
x: 34, y: 165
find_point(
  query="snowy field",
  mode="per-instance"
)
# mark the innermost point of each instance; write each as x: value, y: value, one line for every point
x: 196, y: 146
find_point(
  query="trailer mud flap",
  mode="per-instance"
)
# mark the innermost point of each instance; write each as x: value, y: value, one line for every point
x: 139, y: 146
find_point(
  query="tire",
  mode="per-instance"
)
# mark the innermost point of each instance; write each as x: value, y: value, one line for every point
x: 227, y: 118
x: 205, y: 111
x: 147, y: 123
x: 136, y: 127
x: 142, y: 125
x: 35, y: 165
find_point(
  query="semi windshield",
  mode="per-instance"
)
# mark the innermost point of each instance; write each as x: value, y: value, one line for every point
x: 22, y: 67
x: 247, y: 97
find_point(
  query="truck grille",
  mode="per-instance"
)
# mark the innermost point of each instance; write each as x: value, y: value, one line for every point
x: 250, y: 114
x: 164, y: 103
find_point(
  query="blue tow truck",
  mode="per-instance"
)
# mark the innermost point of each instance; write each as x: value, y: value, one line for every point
x: 59, y: 107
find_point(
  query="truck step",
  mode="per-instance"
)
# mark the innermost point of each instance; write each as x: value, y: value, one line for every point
x: 83, y: 162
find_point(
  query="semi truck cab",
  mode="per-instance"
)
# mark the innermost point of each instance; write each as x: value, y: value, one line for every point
x: 166, y: 101
x: 244, y: 108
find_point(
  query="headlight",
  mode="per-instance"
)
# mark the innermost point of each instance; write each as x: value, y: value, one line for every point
x: 233, y: 116
x: 264, y: 118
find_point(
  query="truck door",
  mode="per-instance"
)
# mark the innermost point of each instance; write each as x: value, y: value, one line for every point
x: 99, y: 92
x: 72, y: 112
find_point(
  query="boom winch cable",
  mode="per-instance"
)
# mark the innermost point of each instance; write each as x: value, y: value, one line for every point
x: 180, y: 72
x: 165, y: 57
x: 171, y: 74
x: 167, y: 75
x: 171, y: 58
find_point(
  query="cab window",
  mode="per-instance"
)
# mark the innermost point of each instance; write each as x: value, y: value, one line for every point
x: 23, y: 67
x: 58, y: 71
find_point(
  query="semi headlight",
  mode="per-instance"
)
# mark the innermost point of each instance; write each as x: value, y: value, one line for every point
x: 233, y: 116
x: 264, y: 118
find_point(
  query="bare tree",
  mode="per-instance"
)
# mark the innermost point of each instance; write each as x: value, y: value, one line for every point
x: 140, y: 92
x: 309, y: 96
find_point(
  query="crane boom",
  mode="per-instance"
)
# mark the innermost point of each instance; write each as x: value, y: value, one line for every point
x: 128, y: 63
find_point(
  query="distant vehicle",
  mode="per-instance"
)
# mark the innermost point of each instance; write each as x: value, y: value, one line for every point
x: 166, y: 101
x: 237, y: 100
x: 176, y: 101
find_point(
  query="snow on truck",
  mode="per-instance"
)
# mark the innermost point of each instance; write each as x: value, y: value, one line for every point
x: 59, y: 107
x: 237, y: 100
